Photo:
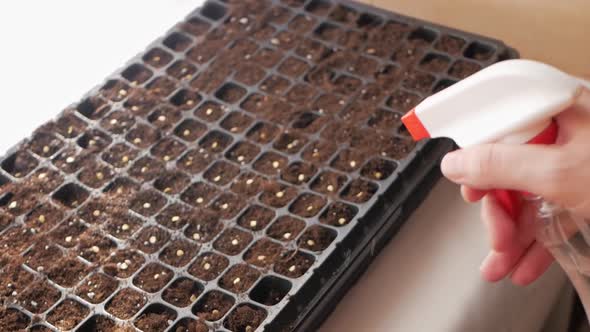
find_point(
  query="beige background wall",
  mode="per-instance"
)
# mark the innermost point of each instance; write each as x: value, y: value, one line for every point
x: 553, y: 31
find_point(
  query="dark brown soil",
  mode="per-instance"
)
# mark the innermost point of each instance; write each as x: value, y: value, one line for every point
x: 171, y: 182
x: 13, y: 320
x: 243, y: 152
x: 239, y: 278
x: 256, y: 218
x: 316, y: 238
x: 42, y: 255
x: 190, y: 130
x: 319, y: 151
x: 328, y: 183
x: 270, y: 163
x: 155, y: 319
x: 378, y: 169
x: 146, y: 169
x: 307, y: 205
x: 176, y: 216
x: 178, y: 253
x: 123, y: 226
x: 69, y: 125
x: 434, y: 63
x: 148, y: 203
x: 151, y: 239
x: 302, y: 23
x: 143, y: 136
x: 208, y: 266
x: 190, y: 325
x: 67, y: 314
x: 263, y: 253
x: 195, y: 161
x: 96, y: 175
x: 216, y: 142
x: 232, y: 241
x: 97, y: 288
x: 126, y: 303
x: 67, y: 234
x: 38, y: 297
x: 277, y: 195
x: 213, y: 305
x: 249, y: 74
x: 462, y: 69
x: 293, y: 67
x: 248, y: 184
x: 286, y: 228
x: 182, y: 292
x: 199, y: 194
x: 68, y: 272
x: 13, y: 280
x: 94, y: 247
x: 123, y: 264
x: 245, y: 318
x: 221, y: 173
x: 359, y: 191
x: 168, y: 149
x: 294, y: 264
x: 236, y: 122
x: 450, y: 44
x: 153, y: 277
x: 204, y: 227
x: 182, y: 70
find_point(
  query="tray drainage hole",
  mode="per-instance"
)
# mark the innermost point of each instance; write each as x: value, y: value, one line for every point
x: 422, y: 36
x: 156, y: 317
x: 19, y: 164
x: 126, y: 303
x: 239, y: 278
x: 245, y: 318
x: 71, y: 195
x: 177, y: 42
x: 213, y: 305
x: 67, y: 314
x: 319, y: 7
x: 270, y: 290
x: 316, y: 238
x: 442, y: 84
x: 479, y: 51
x: 137, y: 74
x: 182, y: 292
x: 188, y: 324
x: 213, y: 11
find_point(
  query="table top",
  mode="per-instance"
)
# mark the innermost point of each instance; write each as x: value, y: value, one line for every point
x: 425, y: 279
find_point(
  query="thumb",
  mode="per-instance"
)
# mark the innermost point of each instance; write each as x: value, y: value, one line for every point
x: 519, y: 167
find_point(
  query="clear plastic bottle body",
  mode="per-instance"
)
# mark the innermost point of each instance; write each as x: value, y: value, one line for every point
x: 567, y: 237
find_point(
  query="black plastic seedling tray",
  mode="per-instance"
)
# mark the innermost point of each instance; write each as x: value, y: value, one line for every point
x: 240, y: 174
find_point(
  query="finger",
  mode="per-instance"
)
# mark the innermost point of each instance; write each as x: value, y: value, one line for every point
x: 472, y: 195
x: 502, y: 230
x: 503, y: 166
x: 532, y: 265
x: 496, y: 266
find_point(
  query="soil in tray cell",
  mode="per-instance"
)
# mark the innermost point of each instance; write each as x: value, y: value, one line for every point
x: 204, y: 227
x: 124, y: 263
x: 151, y: 239
x: 248, y: 184
x: 67, y: 314
x: 171, y: 182
x: 155, y: 318
x: 97, y: 288
x: 176, y: 216
x: 68, y: 272
x: 13, y: 280
x: 38, y: 297
x: 294, y: 264
x: 263, y: 253
x: 245, y: 317
x: 338, y: 214
x: 190, y: 130
x: 256, y: 218
x: 307, y: 205
x: 182, y: 292
x: 270, y: 163
x: 221, y: 173
x: 236, y: 122
x: 243, y: 153
x: 378, y: 169
x: 359, y: 191
x: 13, y: 320
x: 190, y: 325
x: 450, y: 44
x: 232, y: 241
x: 195, y: 161
x: 249, y: 74
x: 239, y: 278
x: 96, y: 174
x: 178, y: 253
x: 213, y: 305
x: 126, y: 303
x: 42, y: 255
x: 270, y: 290
x: 147, y: 203
x: 153, y: 277
x: 277, y: 195
x: 208, y: 266
x: 94, y: 246
x: 285, y: 228
x: 316, y: 238
x: 143, y: 136
x: 185, y: 99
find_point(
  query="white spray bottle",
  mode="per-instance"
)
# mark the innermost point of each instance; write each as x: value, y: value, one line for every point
x: 514, y: 102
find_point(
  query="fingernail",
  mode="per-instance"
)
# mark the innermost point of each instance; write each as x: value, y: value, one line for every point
x: 484, y: 267
x: 451, y: 166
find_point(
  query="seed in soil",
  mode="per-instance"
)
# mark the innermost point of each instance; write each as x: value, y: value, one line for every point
x: 239, y: 278
x: 262, y: 133
x: 151, y: 239
x: 70, y: 160
x: 119, y: 155
x: 190, y: 325
x: 221, y: 173
x: 42, y: 255
x: 122, y: 186
x: 94, y: 247
x: 215, y: 141
x: 67, y: 314
x: 316, y: 238
x: 210, y: 111
x: 213, y: 305
x: 67, y: 234
x: 69, y: 125
x: 42, y: 218
x: 123, y: 225
x: 249, y: 73
x: 236, y: 122
x: 161, y: 86
x: 185, y: 99
x: 245, y: 318
x: 407, y: 55
x: 19, y: 164
x: 182, y: 292
x: 195, y: 160
x: 270, y: 290
x: 93, y: 140
x: 115, y: 90
x: 146, y: 169
x: 126, y: 303
x: 177, y: 42
x: 307, y: 205
x: 263, y: 253
x: 168, y: 149
x: 14, y: 278
x: 190, y: 130
x: 290, y: 142
x: 123, y: 263
x: 232, y: 241
x: 155, y: 318
x: 199, y: 194
x: 378, y: 169
x: 147, y: 203
x: 256, y: 218
x: 195, y: 26
x: 176, y: 216
x: 298, y: 173
x: 179, y: 253
x: 462, y: 69
x: 227, y: 205
x: 137, y: 74
x: 329, y: 104
x: 153, y: 277
x: 44, y: 144
x: 277, y: 195
x: 16, y: 239
x: 434, y: 63
x: 171, y: 182
x: 96, y: 174
x: 68, y: 272
x: 93, y: 108
x: 270, y: 163
x: 208, y: 266
x: 39, y: 297
x: 359, y: 191
x: 478, y: 51
x: 294, y: 264
x: 181, y: 70
x: 204, y: 227
x: 349, y: 160
x: 97, y: 288
x: 267, y: 57
x: 275, y: 84
x: 319, y: 151
x: 385, y: 120
x: 13, y: 320
x: 397, y: 148
x: 143, y: 136
x: 248, y: 184
x: 285, y: 228
x: 242, y: 152
x: 450, y: 44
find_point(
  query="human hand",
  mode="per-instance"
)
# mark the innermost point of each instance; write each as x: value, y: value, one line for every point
x: 559, y: 173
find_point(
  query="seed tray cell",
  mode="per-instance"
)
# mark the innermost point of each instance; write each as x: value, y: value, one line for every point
x: 239, y: 175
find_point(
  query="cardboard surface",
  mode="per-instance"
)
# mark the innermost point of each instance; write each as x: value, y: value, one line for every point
x: 555, y: 32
